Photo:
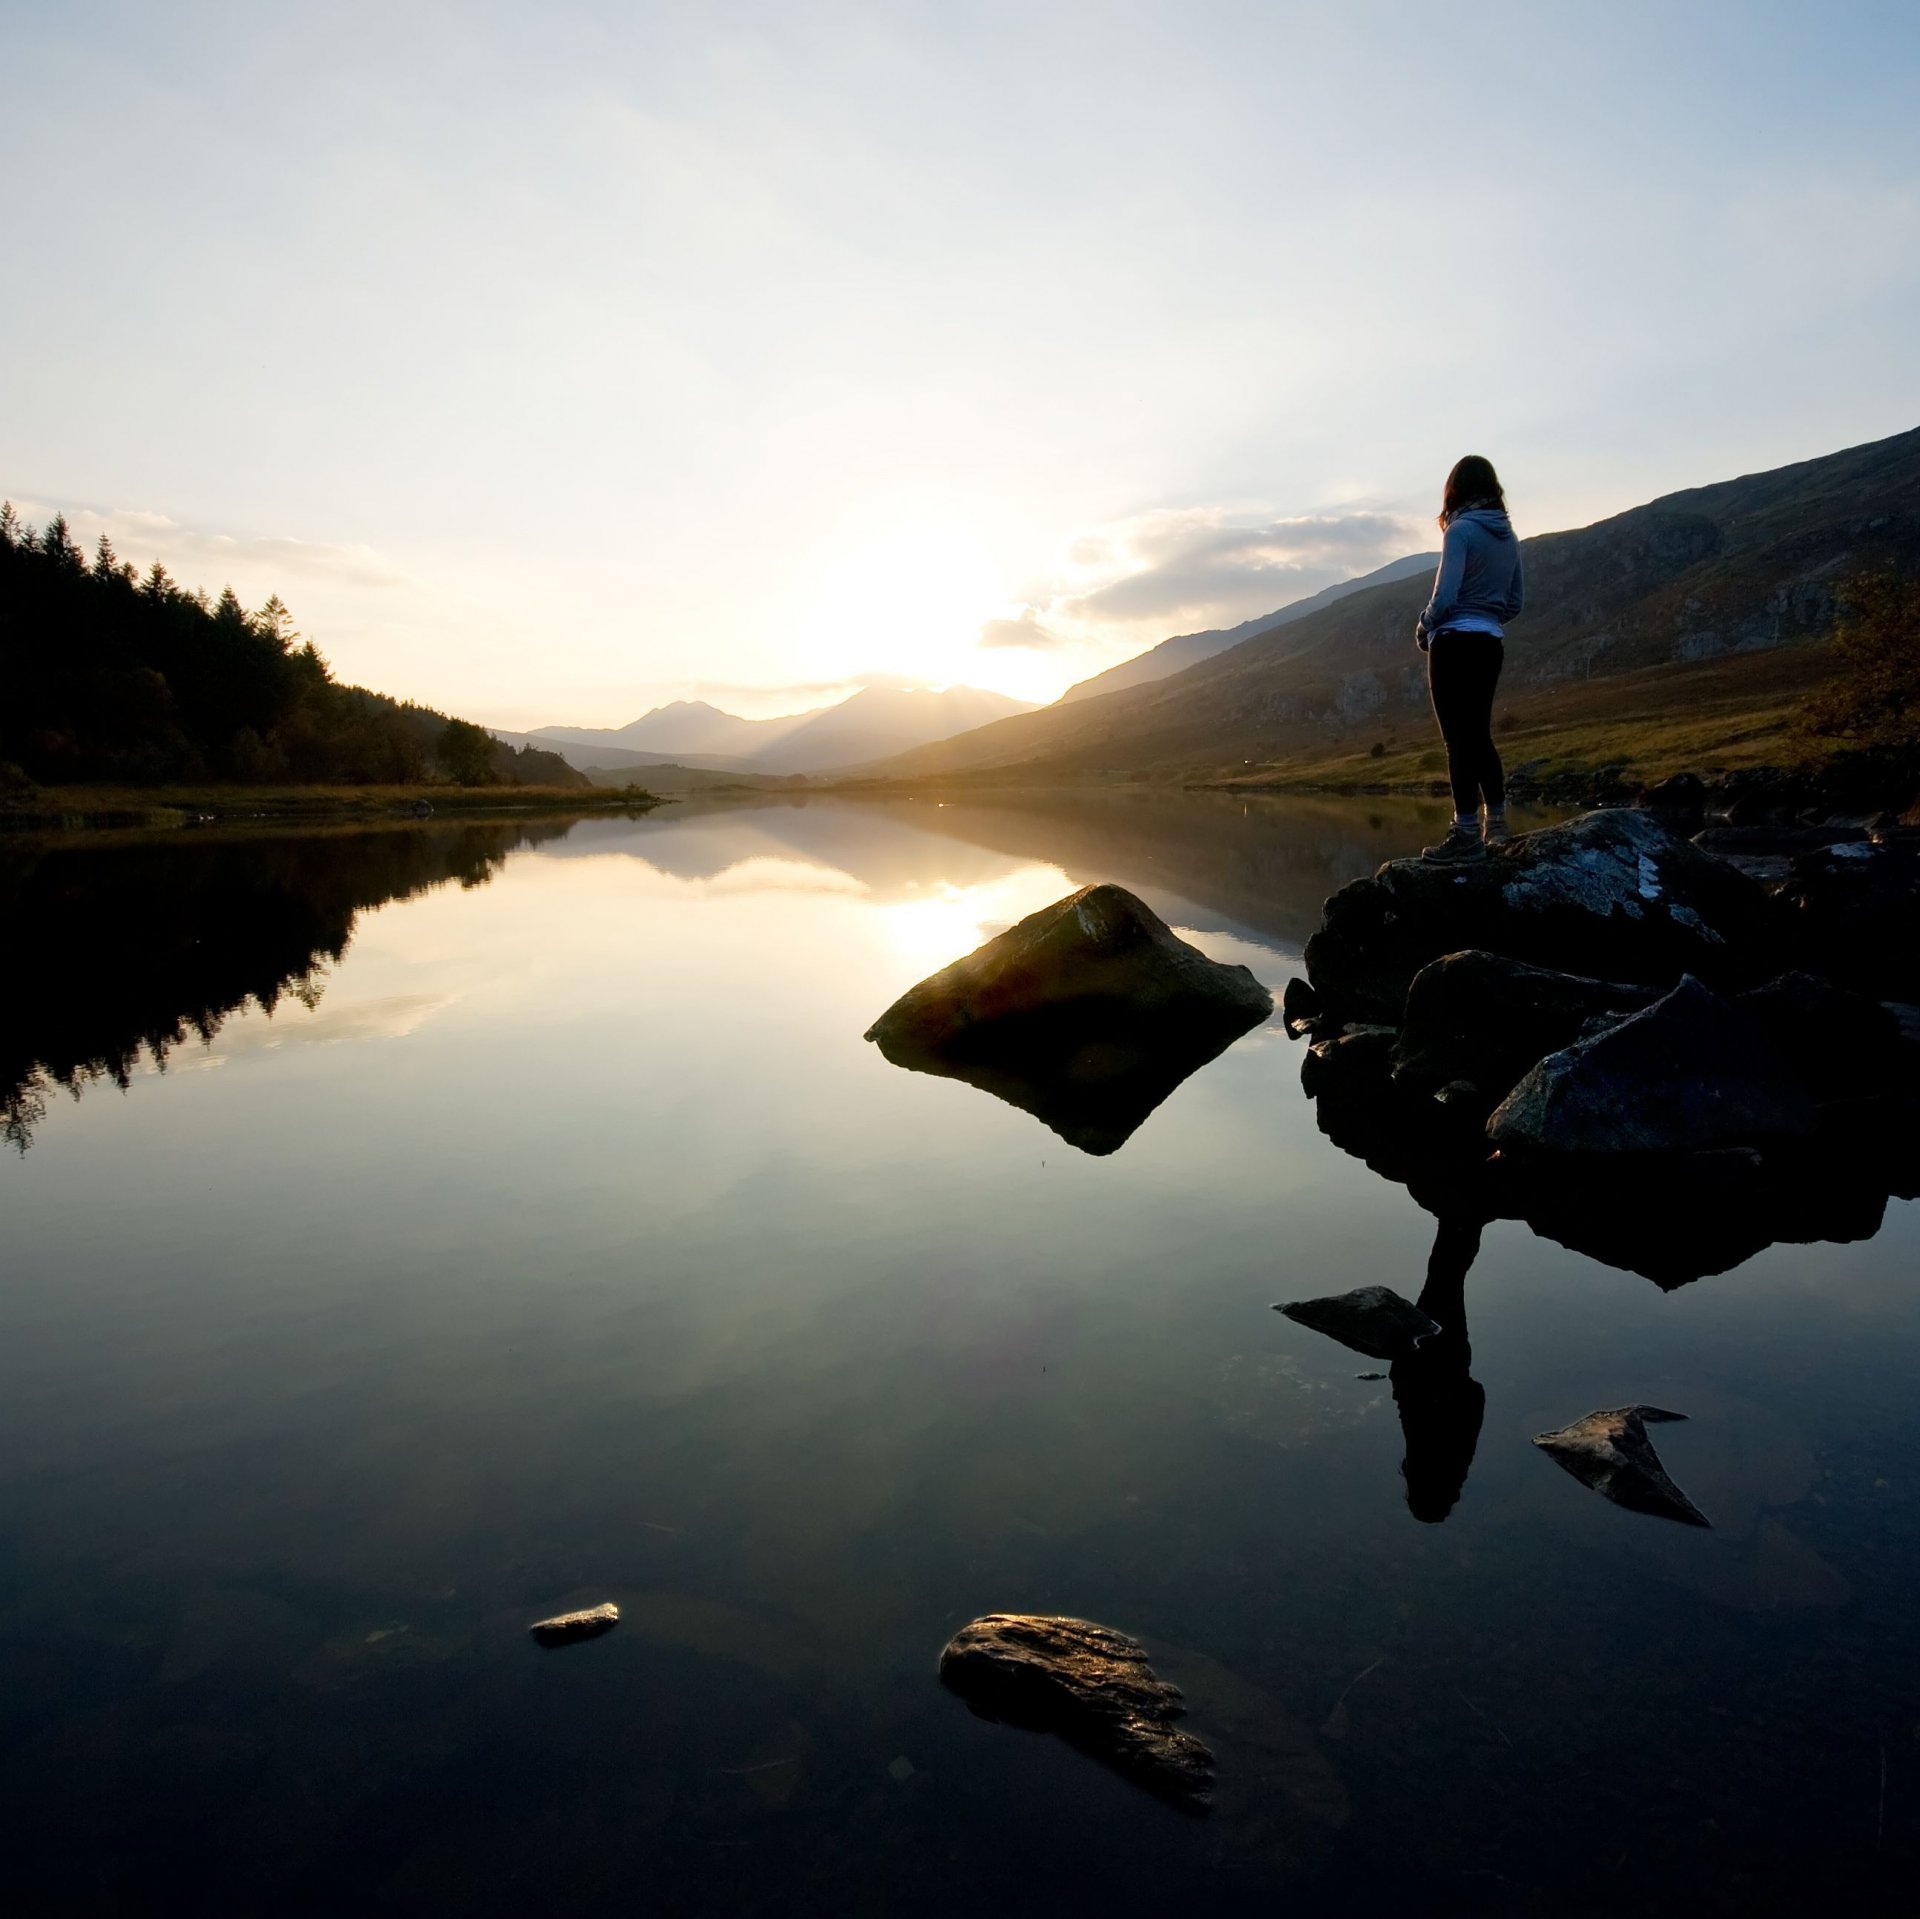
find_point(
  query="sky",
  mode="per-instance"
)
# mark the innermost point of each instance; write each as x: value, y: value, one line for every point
x: 552, y: 362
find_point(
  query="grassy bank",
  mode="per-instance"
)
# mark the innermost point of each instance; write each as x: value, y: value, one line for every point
x: 69, y: 808
x: 1712, y: 717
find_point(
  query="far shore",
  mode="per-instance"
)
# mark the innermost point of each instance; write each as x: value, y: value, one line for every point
x: 86, y: 808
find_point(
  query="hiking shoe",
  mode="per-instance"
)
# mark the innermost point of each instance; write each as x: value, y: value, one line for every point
x: 1495, y: 829
x: 1459, y: 848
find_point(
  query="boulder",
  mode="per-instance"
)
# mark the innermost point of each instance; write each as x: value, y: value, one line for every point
x: 1613, y: 894
x: 1851, y: 910
x: 1691, y: 1073
x: 1475, y: 1022
x: 1087, y: 1014
x: 1090, y: 1685
x: 568, y: 1628
x: 1841, y: 1044
x: 1363, y: 1051
x: 1680, y: 801
x: 1610, y: 1452
x: 1373, y: 1320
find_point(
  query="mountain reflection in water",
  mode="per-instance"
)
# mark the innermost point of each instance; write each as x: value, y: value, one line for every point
x: 560, y: 1241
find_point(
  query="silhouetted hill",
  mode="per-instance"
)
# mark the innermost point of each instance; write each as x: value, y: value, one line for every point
x: 1189, y: 649
x: 871, y: 724
x: 108, y: 676
x: 1714, y: 573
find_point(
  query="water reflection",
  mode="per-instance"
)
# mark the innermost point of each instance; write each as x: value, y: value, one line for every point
x: 635, y: 1275
x: 1441, y: 1404
x: 128, y: 950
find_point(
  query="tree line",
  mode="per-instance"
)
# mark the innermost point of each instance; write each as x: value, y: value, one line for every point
x: 114, y: 677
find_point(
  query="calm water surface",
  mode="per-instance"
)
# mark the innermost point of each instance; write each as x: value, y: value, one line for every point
x: 556, y: 1238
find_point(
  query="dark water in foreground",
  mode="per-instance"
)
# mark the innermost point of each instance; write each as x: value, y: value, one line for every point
x: 562, y: 1241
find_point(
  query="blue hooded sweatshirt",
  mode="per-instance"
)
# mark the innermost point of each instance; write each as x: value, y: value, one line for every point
x: 1478, y: 587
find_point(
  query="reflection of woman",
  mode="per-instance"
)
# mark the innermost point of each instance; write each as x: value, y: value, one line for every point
x: 1440, y: 1404
x: 1462, y: 632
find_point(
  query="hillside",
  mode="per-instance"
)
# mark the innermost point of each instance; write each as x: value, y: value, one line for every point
x: 1189, y: 649
x: 1727, y: 573
x: 110, y: 677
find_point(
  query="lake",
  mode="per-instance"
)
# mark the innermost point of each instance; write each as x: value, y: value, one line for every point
x: 409, y: 1234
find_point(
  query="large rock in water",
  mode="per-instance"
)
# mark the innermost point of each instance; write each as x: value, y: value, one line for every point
x: 1089, y: 1684
x: 1475, y: 1022
x: 1613, y: 894
x: 1087, y: 1014
x: 1690, y: 1074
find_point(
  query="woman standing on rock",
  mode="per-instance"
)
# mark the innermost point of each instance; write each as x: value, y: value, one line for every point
x: 1462, y: 633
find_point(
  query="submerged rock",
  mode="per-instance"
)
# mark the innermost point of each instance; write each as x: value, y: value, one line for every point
x: 1087, y: 1014
x: 1614, y: 894
x: 1689, y: 1074
x: 564, y: 1629
x: 1373, y: 1320
x: 1610, y: 1452
x: 1090, y: 1685
x: 1475, y: 1022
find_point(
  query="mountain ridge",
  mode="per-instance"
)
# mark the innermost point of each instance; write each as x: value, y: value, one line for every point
x: 871, y: 723
x: 1189, y: 649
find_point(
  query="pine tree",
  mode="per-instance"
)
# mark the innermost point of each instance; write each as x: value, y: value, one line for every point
x: 274, y: 622
x: 106, y: 562
x: 13, y: 531
x: 57, y: 544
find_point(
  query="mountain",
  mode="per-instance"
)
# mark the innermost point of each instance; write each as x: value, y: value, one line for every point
x: 1189, y: 649
x: 684, y: 727
x: 586, y: 755
x: 872, y: 724
x: 1715, y: 573
x: 877, y: 722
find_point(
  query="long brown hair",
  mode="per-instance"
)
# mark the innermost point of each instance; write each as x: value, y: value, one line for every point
x: 1473, y: 482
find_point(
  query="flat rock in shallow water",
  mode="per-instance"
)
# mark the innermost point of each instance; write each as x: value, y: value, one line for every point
x: 1610, y: 1452
x: 563, y: 1629
x: 1089, y: 1684
x: 1373, y: 1320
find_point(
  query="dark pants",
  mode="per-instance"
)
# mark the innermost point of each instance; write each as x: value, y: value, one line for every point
x: 1462, y: 671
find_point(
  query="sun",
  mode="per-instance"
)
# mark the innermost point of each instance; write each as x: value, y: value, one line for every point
x: 907, y: 599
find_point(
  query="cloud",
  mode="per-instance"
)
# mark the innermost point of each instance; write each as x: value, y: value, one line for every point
x: 212, y: 559
x: 1207, y: 566
x: 1025, y: 630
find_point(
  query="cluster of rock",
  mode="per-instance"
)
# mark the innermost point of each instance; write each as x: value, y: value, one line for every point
x: 1620, y: 1035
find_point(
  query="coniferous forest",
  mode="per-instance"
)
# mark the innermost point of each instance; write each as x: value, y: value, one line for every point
x: 114, y: 677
